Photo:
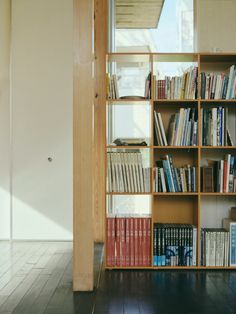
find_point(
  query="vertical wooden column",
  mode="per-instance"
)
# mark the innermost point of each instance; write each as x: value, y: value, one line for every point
x: 83, y: 146
x: 100, y: 45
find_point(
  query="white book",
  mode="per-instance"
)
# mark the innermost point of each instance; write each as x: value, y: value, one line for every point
x: 114, y: 175
x: 221, y: 175
x: 136, y: 164
x: 158, y: 133
x: 140, y: 166
x: 109, y: 176
x: 132, y: 160
x: 180, y: 126
x: 124, y: 171
x: 121, y: 173
x: 163, y: 182
x: 131, y: 178
x: 127, y: 172
x: 162, y: 129
x: 227, y: 172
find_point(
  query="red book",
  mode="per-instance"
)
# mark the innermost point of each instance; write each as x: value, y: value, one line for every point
x: 140, y: 241
x: 148, y: 241
x: 159, y: 89
x: 136, y: 243
x: 118, y: 251
x: 145, y: 243
x: 131, y: 237
x: 122, y: 243
x: 127, y: 241
x: 110, y: 247
x: 108, y: 241
x: 113, y: 242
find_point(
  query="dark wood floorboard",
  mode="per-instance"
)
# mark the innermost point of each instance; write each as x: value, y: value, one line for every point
x: 36, y: 278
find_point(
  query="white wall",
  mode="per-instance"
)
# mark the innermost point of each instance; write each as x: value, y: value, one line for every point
x: 42, y: 87
x: 4, y: 119
x: 216, y: 24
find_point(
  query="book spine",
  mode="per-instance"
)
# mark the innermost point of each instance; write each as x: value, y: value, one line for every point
x: 118, y: 242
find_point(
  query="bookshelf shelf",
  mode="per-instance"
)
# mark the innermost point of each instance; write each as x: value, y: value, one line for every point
x: 175, y: 193
x: 128, y: 193
x: 176, y: 147
x: 175, y: 101
x: 194, y: 209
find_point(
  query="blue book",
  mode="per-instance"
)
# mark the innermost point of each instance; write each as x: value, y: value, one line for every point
x: 168, y: 176
x: 233, y: 244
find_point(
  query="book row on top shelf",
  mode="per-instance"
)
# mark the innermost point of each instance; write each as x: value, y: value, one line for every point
x: 171, y: 76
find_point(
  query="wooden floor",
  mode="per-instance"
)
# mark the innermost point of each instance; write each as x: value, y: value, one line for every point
x: 37, y: 278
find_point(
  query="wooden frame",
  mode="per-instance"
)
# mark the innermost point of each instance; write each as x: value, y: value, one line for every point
x: 83, y: 147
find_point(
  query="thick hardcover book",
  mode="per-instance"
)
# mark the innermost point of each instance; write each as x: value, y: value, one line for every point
x: 127, y: 242
x: 132, y: 258
x: 118, y: 241
x: 207, y: 179
x: 110, y: 256
x: 136, y: 242
x: 140, y: 242
x: 123, y: 243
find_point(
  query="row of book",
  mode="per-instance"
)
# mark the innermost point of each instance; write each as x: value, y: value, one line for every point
x: 128, y: 241
x: 174, y: 245
x: 177, y: 87
x: 218, y: 86
x: 126, y: 172
x: 183, y: 128
x: 168, y: 178
x: 185, y: 180
x: 215, y: 131
x: 112, y: 87
x: 214, y: 247
x: 219, y: 176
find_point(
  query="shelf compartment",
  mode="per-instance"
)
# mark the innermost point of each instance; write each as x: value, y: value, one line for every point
x: 128, y: 205
x: 138, y: 122
x: 167, y: 111
x: 128, y: 170
x: 183, y: 209
x: 128, y: 72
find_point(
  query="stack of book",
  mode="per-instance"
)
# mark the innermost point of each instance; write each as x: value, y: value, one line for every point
x: 174, y: 245
x: 128, y: 241
x: 214, y: 247
x: 215, y: 131
x: 220, y: 176
x: 218, y: 86
x: 126, y: 172
x: 230, y: 225
x: 177, y: 87
x: 168, y: 178
x: 112, y: 87
x: 183, y: 128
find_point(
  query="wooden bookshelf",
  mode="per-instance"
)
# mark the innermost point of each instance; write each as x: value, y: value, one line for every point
x: 186, y: 207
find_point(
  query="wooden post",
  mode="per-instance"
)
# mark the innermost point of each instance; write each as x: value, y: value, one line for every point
x: 100, y: 44
x: 83, y: 146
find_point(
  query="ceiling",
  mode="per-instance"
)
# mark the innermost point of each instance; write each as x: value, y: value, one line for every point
x: 138, y: 13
